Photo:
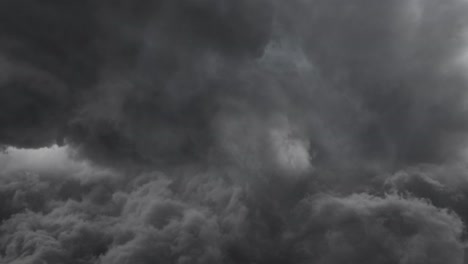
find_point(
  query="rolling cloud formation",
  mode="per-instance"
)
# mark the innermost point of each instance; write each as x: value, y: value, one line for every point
x: 221, y: 131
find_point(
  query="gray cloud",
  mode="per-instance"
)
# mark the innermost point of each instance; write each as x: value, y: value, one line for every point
x: 202, y: 131
x: 378, y: 230
x: 150, y: 81
x: 394, y: 60
x: 211, y: 221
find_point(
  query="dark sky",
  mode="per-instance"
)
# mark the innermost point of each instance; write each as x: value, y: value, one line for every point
x: 233, y: 131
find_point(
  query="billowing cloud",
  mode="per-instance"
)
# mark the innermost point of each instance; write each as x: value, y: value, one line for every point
x: 363, y: 228
x: 203, y: 131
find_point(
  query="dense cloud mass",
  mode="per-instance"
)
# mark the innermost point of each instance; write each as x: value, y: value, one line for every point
x: 222, y: 131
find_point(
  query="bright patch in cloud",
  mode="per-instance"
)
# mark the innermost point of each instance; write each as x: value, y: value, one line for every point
x: 48, y: 160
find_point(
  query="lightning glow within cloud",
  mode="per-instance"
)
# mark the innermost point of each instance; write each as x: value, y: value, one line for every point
x: 291, y: 152
x: 47, y: 161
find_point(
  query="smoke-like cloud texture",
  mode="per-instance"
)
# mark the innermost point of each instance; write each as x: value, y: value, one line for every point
x: 223, y: 131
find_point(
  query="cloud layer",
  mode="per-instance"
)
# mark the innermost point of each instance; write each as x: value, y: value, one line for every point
x: 203, y: 131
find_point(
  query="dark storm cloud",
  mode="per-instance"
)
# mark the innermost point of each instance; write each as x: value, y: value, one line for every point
x: 444, y: 186
x: 207, y: 220
x: 394, y: 59
x: 57, y: 56
x: 155, y: 102
x: 46, y: 58
x: 234, y: 131
x: 363, y: 228
x: 147, y: 82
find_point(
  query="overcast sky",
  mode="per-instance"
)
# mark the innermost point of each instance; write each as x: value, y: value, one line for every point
x: 234, y: 131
